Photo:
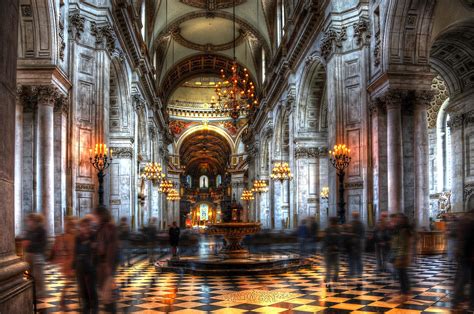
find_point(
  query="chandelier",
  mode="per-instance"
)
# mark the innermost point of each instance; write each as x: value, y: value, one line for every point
x: 340, y: 157
x: 165, y: 186
x: 247, y: 195
x: 260, y: 186
x: 173, y: 195
x: 153, y: 172
x: 236, y: 93
x: 281, y: 171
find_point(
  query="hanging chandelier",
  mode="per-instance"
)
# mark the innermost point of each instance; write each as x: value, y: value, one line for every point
x: 173, y: 195
x: 165, y: 186
x: 281, y: 171
x: 236, y: 92
x: 247, y: 195
x: 153, y: 172
x: 260, y: 186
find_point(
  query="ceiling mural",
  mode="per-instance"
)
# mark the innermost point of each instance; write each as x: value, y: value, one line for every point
x: 212, y: 4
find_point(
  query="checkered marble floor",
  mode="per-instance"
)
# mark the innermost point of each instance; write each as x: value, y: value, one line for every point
x: 144, y: 290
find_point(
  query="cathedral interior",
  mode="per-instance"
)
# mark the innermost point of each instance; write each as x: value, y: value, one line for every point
x: 258, y: 129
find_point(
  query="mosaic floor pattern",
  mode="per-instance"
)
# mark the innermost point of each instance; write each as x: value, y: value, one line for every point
x: 144, y: 290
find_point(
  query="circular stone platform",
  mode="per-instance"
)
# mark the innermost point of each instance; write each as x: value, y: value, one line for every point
x: 253, y: 264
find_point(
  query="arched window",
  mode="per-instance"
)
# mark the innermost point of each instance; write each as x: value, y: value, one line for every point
x: 218, y: 180
x: 280, y: 21
x: 444, y: 171
x: 203, y: 182
x: 263, y: 65
x: 143, y: 20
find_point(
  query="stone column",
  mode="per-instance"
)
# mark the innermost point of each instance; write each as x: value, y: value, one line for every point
x: 45, y: 154
x: 18, y: 162
x: 15, y: 292
x: 422, y: 197
x: 61, y: 108
x: 394, y: 152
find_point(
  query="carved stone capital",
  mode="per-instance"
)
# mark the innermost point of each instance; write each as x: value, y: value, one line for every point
x: 332, y: 41
x: 392, y: 99
x: 62, y: 104
x: 456, y: 121
x: 104, y: 36
x: 423, y: 98
x: 76, y: 25
x: 362, y: 31
x: 45, y: 94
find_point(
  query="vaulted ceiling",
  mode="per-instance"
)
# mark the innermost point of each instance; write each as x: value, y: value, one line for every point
x: 193, y: 37
x: 205, y: 149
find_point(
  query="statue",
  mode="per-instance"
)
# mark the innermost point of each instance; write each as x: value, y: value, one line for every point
x: 444, y: 203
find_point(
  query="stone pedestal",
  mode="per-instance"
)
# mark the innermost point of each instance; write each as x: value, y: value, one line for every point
x: 45, y: 154
x: 15, y: 291
x: 394, y: 153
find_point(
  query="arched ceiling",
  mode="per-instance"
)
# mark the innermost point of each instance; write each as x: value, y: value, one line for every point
x: 193, y: 29
x: 205, y: 149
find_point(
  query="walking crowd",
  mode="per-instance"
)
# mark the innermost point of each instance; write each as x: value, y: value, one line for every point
x: 88, y: 254
x: 394, y: 242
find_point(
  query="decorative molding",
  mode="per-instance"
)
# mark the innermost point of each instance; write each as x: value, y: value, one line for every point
x: 377, y: 50
x: 76, y: 25
x: 306, y: 152
x: 332, y: 41
x: 375, y: 106
x: 212, y: 5
x: 26, y: 10
x: 176, y: 34
x: 362, y: 31
x: 122, y: 152
x: 85, y: 187
x: 138, y: 102
x: 354, y: 185
x: 118, y: 54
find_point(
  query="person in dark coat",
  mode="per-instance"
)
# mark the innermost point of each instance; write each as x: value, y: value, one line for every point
x: 331, y: 249
x: 357, y: 234
x: 402, y: 253
x: 303, y: 234
x: 124, y: 238
x: 174, y: 233
x: 85, y: 266
x: 34, y: 244
x: 107, y: 257
x: 382, y: 242
x: 150, y: 235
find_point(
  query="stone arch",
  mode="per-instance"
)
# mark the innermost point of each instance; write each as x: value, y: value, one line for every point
x: 120, y: 110
x: 452, y: 55
x: 311, y: 100
x: 38, y: 37
x: 199, y: 128
x: 282, y: 135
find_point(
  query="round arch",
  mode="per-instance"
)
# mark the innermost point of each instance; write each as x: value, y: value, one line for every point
x: 211, y: 128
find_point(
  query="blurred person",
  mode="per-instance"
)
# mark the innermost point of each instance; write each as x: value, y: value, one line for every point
x: 62, y: 254
x: 84, y: 265
x: 356, y: 240
x: 401, y: 250
x: 313, y: 231
x: 451, y: 235
x: 303, y: 234
x: 107, y: 257
x: 465, y: 262
x: 34, y: 244
x: 382, y: 241
x: 124, y: 238
x: 150, y: 234
x: 331, y: 246
x: 174, y: 233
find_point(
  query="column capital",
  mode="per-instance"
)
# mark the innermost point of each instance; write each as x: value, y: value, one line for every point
x: 62, y: 104
x: 76, y: 25
x: 332, y: 41
x: 392, y: 99
x: 45, y: 94
x: 104, y: 36
x: 422, y: 98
